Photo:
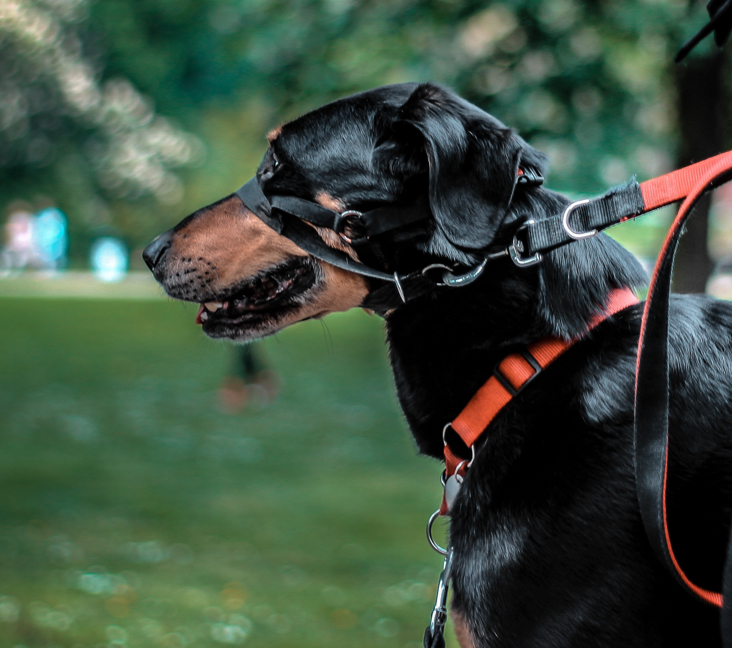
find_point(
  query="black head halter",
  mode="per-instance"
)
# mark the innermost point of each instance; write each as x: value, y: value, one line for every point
x: 285, y: 215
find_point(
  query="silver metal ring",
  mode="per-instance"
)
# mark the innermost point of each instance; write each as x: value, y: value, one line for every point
x: 565, y: 221
x: 436, y: 266
x: 341, y: 217
x: 433, y: 544
x: 444, y: 430
x: 457, y: 474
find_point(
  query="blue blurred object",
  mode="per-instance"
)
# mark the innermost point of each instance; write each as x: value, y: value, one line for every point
x: 50, y: 237
x: 109, y: 259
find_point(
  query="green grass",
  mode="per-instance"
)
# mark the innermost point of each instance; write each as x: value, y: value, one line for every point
x: 134, y: 511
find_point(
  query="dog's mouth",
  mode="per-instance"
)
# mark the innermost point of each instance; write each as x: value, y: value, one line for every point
x: 264, y: 296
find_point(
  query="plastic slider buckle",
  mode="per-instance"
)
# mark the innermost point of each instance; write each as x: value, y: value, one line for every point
x: 507, y: 385
x: 530, y: 178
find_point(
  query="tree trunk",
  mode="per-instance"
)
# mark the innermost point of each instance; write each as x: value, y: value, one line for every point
x: 701, y: 93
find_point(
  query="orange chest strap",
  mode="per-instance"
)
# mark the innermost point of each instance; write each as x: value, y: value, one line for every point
x: 511, y: 375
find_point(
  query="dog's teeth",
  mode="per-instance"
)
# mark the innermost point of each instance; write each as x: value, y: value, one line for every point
x: 203, y: 316
x: 213, y: 306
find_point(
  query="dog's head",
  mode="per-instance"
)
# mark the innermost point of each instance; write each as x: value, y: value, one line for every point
x: 390, y: 146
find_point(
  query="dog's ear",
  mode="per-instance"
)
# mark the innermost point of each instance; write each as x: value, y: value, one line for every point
x: 472, y: 160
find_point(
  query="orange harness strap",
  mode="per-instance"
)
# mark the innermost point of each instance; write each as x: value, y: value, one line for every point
x: 513, y: 374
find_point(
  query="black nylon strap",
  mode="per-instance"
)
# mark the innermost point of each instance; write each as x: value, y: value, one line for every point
x: 597, y: 214
x: 372, y: 223
x: 307, y: 238
x: 651, y: 415
x: 379, y: 299
x: 251, y: 195
x: 304, y: 209
x: 384, y: 219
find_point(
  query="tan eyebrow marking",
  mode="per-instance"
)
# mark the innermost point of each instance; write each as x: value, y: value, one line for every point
x: 274, y: 134
x: 329, y: 201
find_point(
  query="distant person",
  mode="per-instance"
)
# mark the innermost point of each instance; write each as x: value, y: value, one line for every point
x: 19, y: 251
x: 250, y: 379
x: 50, y: 238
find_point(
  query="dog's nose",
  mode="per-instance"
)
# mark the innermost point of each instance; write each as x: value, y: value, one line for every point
x: 154, y: 252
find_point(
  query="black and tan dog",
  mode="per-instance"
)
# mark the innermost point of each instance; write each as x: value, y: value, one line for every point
x: 549, y: 545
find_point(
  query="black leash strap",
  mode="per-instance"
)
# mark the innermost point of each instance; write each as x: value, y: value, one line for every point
x: 582, y: 219
x: 652, y: 404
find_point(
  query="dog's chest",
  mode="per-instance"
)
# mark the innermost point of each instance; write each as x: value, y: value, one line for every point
x: 487, y: 559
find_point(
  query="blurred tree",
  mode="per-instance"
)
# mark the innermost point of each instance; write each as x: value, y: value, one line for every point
x: 591, y: 82
x: 67, y: 131
x: 703, y: 104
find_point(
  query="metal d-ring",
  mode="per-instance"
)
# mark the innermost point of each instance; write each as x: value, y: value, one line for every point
x: 430, y: 539
x: 565, y: 222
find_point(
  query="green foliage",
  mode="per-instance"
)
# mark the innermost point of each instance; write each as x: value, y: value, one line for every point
x: 589, y: 82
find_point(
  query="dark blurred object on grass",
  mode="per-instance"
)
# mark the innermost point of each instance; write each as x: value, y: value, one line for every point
x: 251, y: 379
x: 720, y: 13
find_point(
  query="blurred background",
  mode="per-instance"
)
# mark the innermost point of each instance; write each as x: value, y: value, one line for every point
x: 154, y: 491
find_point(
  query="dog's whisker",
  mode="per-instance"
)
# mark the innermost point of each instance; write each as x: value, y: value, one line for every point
x: 328, y: 338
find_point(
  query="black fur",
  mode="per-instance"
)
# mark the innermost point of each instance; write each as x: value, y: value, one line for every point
x: 549, y: 545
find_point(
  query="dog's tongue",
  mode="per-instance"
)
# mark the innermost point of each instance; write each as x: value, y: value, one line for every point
x: 201, y: 309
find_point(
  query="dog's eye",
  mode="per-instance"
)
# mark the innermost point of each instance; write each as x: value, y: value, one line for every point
x: 269, y: 166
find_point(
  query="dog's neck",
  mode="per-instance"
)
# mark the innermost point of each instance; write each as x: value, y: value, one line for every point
x: 444, y: 346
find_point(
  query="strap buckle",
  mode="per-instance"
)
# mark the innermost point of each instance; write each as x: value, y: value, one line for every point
x: 516, y: 249
x: 530, y: 177
x: 507, y: 385
x: 577, y: 236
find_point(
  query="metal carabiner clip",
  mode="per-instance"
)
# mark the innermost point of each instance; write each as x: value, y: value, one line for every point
x: 439, y: 612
